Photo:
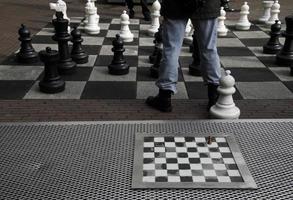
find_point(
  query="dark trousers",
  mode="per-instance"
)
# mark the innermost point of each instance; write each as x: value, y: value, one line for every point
x: 143, y: 4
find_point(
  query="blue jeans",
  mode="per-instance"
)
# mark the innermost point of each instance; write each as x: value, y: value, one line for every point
x: 173, y: 35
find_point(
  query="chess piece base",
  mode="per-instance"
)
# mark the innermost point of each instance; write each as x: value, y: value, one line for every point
x: 80, y: 58
x: 52, y: 86
x: 271, y: 49
x: 118, y: 69
x: 218, y: 111
x: 68, y: 67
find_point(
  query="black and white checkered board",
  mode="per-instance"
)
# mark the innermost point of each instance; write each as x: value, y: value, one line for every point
x: 256, y: 74
x: 189, y: 162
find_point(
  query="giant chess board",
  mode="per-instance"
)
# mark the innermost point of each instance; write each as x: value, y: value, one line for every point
x: 257, y: 76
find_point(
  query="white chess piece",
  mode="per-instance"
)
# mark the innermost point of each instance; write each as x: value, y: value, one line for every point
x: 275, y: 10
x: 92, y: 27
x: 156, y: 7
x: 86, y: 8
x: 243, y: 23
x: 188, y: 33
x: 222, y: 29
x: 267, y: 11
x: 59, y: 6
x: 225, y: 107
x: 125, y: 32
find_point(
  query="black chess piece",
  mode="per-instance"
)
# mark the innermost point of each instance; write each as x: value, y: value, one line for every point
x: 273, y: 46
x: 52, y: 82
x: 65, y: 64
x: 225, y: 4
x: 285, y: 56
x: 154, y: 70
x: 157, y: 42
x: 77, y: 53
x: 194, y: 67
x: 26, y: 54
x: 118, y: 65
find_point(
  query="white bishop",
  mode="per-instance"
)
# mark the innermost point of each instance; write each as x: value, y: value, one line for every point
x: 156, y: 7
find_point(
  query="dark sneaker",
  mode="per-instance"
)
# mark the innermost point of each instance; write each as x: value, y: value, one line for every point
x: 212, y: 95
x: 131, y: 14
x: 161, y: 102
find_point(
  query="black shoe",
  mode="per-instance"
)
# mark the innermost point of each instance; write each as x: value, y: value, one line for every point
x: 147, y: 17
x: 212, y: 95
x: 161, y: 102
x: 131, y: 14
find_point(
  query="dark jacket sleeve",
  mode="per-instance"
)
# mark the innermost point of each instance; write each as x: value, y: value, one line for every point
x: 199, y: 9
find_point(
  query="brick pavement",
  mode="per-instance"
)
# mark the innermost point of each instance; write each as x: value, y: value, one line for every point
x: 36, y: 14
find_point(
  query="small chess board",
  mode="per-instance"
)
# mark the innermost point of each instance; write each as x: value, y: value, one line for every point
x: 189, y: 162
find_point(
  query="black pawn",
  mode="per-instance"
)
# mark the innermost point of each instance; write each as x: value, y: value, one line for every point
x: 154, y: 70
x: 226, y: 6
x: 52, y: 82
x: 26, y: 54
x: 194, y: 67
x: 77, y: 53
x: 118, y: 65
x: 285, y: 56
x: 157, y: 42
x: 65, y: 64
x: 273, y: 46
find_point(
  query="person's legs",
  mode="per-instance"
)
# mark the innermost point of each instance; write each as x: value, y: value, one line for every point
x: 145, y: 10
x: 172, y: 35
x: 206, y: 34
x: 130, y: 6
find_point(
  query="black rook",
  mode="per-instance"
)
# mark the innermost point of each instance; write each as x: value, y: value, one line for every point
x: 118, y: 65
x: 52, y: 82
x: 157, y: 42
x: 26, y: 53
x: 65, y: 65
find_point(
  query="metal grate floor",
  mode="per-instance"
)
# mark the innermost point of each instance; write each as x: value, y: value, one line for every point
x: 94, y: 160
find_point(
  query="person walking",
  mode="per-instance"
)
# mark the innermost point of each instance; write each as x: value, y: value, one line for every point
x: 203, y: 14
x: 144, y: 7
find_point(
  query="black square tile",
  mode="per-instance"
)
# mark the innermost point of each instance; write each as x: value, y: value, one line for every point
x: 234, y: 51
x: 81, y: 74
x: 106, y: 60
x: 105, y: 20
x: 90, y: 49
x: 14, y: 89
x: 109, y: 41
x: 12, y: 60
x: 102, y: 33
x: 270, y: 61
x: 145, y: 50
x: 236, y: 179
x: 43, y: 39
x: 253, y: 75
x: 144, y: 33
x: 118, y: 27
x: 161, y: 179
x: 109, y: 90
x: 254, y: 42
x: 289, y: 85
x: 230, y: 34
x: 186, y: 179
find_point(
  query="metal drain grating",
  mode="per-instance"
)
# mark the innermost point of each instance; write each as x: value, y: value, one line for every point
x: 95, y: 160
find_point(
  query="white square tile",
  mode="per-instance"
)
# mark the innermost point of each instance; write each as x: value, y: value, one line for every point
x: 149, y: 155
x: 148, y: 144
x: 149, y: 179
x: 170, y: 144
x: 206, y: 160
x: 182, y: 160
x: 174, y: 179
x: 171, y: 155
x: 229, y: 160
x: 198, y: 179
x: 159, y: 149
x: 233, y: 173
x: 219, y: 166
x: 159, y: 172
x: 193, y: 155
x: 209, y: 173
x: 195, y: 166
x: 181, y: 149
x: 179, y: 139
x: 160, y: 160
x: 15, y: 72
x: 185, y: 173
x: 172, y: 166
x: 149, y: 166
x: 224, y: 179
x: 159, y: 139
x: 102, y: 74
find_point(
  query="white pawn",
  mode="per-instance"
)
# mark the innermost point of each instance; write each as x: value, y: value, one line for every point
x: 188, y: 33
x: 225, y: 107
x: 267, y: 11
x: 243, y: 23
x: 222, y: 29
x: 125, y: 33
x: 92, y: 27
x: 275, y: 10
x: 88, y: 5
x: 156, y: 7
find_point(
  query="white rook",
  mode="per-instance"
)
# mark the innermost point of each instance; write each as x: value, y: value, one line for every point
x: 156, y: 7
x: 225, y: 107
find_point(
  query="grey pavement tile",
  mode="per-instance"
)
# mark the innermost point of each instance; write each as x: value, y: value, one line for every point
x: 129, y: 50
x: 264, y: 90
x: 241, y: 62
x: 250, y: 34
x: 101, y: 74
x: 73, y: 90
x: 90, y: 63
x: 89, y: 40
x: 283, y: 73
x: 229, y: 42
x: 10, y: 72
x: 148, y: 88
